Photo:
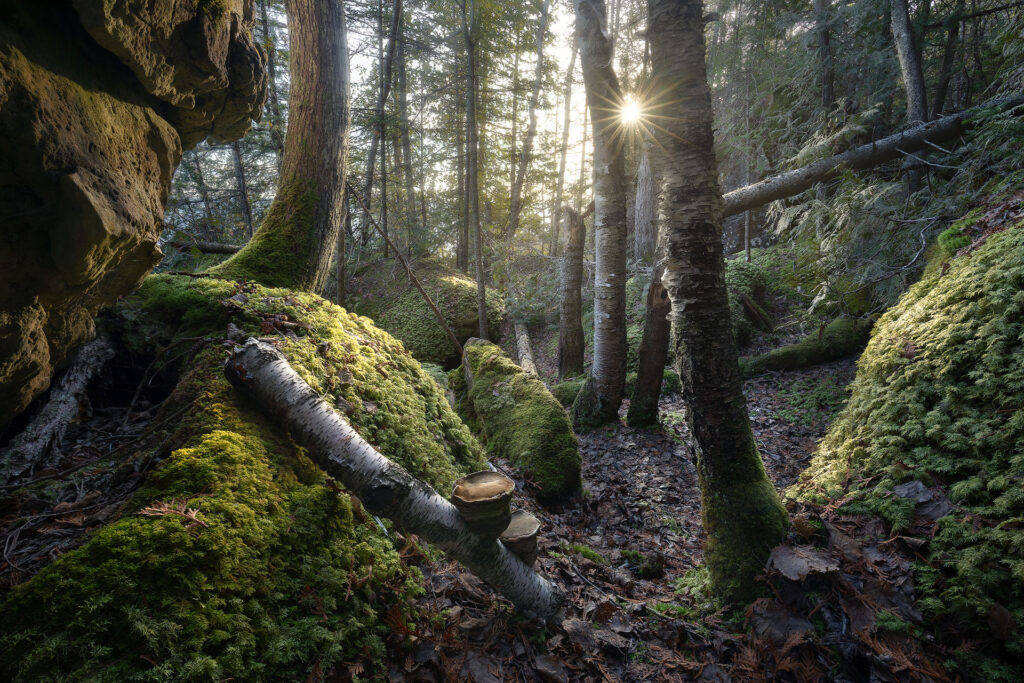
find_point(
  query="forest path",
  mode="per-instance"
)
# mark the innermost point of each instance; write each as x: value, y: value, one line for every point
x: 621, y: 554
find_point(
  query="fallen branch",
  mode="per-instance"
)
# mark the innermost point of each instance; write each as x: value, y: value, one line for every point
x: 33, y: 445
x: 384, y: 488
x: 893, y: 147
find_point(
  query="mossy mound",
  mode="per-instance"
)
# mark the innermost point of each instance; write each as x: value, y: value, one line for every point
x: 520, y: 420
x: 566, y: 391
x: 747, y: 284
x: 938, y: 397
x: 239, y: 558
x: 841, y: 337
x: 395, y: 306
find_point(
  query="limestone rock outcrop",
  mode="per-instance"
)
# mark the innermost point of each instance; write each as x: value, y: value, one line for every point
x: 97, y: 100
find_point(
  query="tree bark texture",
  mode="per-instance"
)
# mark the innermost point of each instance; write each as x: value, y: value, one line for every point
x: 516, y: 202
x: 385, y: 488
x: 873, y: 153
x: 243, y: 188
x: 33, y: 445
x: 645, y: 234
x: 570, y: 331
x: 741, y: 511
x: 653, y: 355
x: 599, y: 399
x: 525, y: 350
x: 469, y: 30
x: 294, y: 244
x: 556, y: 218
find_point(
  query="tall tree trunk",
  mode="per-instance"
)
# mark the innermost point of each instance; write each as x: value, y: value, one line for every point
x: 516, y: 205
x: 828, y: 77
x: 293, y: 246
x: 599, y: 399
x: 470, y: 26
x: 583, y: 162
x: 653, y: 354
x: 204, y: 194
x: 272, y: 99
x: 570, y: 331
x: 403, y: 123
x: 556, y: 218
x: 384, y: 185
x: 948, y: 57
x: 243, y: 189
x: 346, y: 211
x: 387, y: 58
x: 741, y: 512
x: 913, y: 78
x: 645, y: 235
x: 462, y: 257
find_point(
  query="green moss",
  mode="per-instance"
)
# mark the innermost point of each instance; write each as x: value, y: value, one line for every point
x: 521, y: 421
x: 585, y: 551
x: 437, y: 373
x: 400, y: 310
x: 938, y: 395
x: 278, y: 255
x: 567, y: 391
x: 276, y: 573
x: 841, y: 337
x: 749, y: 281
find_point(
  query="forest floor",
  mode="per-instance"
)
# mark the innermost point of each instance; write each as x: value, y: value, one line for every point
x: 628, y: 555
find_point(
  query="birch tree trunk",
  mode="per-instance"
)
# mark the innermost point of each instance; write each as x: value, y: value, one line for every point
x: 913, y: 78
x: 653, y: 355
x: 599, y: 399
x: 556, y: 218
x: 570, y: 331
x: 383, y: 487
x: 516, y: 203
x: 645, y: 236
x: 470, y: 26
x: 741, y: 512
x: 293, y: 246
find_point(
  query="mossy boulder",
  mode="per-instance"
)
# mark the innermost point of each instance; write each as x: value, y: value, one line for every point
x: 386, y: 295
x: 938, y: 397
x: 840, y: 338
x: 519, y: 420
x: 272, y: 572
x: 87, y: 152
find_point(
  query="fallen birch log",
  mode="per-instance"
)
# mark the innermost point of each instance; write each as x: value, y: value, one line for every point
x: 33, y: 445
x: 525, y: 350
x: 384, y: 488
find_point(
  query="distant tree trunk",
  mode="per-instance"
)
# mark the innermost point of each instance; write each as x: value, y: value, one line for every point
x: 387, y: 58
x: 243, y: 189
x: 462, y: 256
x: 570, y: 330
x: 948, y: 57
x: 653, y: 355
x: 469, y: 31
x: 583, y: 162
x: 384, y: 185
x: 599, y: 399
x: 294, y: 244
x: 913, y: 78
x: 275, y: 106
x: 403, y: 123
x: 204, y: 194
x: 645, y: 236
x: 741, y: 511
x: 346, y: 211
x: 516, y: 204
x: 556, y: 218
x: 828, y: 78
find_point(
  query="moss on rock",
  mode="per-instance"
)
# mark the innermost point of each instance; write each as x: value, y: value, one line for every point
x: 396, y: 306
x: 841, y: 337
x: 938, y: 397
x: 520, y: 420
x: 272, y: 572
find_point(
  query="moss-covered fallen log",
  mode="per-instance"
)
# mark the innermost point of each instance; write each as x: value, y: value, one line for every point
x: 385, y: 488
x: 519, y: 419
x: 272, y: 571
x: 841, y: 337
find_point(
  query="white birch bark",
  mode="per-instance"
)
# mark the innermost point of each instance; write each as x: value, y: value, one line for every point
x: 261, y: 372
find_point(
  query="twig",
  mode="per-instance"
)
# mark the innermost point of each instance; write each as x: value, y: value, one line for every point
x: 926, y: 162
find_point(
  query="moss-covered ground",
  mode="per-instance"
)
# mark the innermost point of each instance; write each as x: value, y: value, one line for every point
x: 396, y: 307
x: 938, y: 398
x: 239, y: 559
x: 520, y: 421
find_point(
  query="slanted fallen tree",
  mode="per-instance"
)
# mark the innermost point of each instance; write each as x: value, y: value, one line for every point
x: 872, y: 154
x: 384, y: 488
x: 841, y: 337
